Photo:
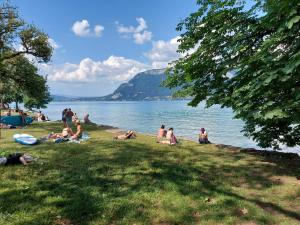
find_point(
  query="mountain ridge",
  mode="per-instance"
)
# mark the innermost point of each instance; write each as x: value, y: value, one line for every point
x: 145, y: 85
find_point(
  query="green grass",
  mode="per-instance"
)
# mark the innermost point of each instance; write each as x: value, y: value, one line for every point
x: 105, y: 181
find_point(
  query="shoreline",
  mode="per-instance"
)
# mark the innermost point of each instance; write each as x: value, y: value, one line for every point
x: 280, y: 154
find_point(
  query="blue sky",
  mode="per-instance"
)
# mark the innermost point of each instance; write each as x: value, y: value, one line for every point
x: 100, y: 44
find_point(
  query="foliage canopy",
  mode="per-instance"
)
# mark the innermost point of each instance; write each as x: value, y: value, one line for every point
x: 19, y: 78
x: 246, y: 58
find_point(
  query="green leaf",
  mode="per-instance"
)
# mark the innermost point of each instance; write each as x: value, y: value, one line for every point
x: 272, y: 76
x: 275, y: 113
x: 290, y: 67
x: 263, y: 53
x: 292, y: 21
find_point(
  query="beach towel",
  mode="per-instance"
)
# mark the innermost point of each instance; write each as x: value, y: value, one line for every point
x: 84, y: 137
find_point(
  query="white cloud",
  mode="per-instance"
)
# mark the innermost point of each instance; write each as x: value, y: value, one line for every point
x: 82, y: 29
x: 163, y: 52
x: 114, y: 68
x: 140, y: 38
x: 98, y: 29
x: 53, y: 44
x: 140, y: 34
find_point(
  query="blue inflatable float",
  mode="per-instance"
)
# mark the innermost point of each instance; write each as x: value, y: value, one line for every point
x: 25, y: 139
x: 15, y: 120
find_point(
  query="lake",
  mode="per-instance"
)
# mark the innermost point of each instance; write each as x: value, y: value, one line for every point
x: 147, y: 117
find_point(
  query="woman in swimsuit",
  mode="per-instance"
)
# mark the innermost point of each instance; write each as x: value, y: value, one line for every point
x: 128, y: 135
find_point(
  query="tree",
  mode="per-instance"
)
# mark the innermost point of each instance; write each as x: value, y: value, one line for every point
x: 9, y: 93
x: 24, y: 84
x: 246, y: 58
x: 19, y: 38
x: 19, y: 79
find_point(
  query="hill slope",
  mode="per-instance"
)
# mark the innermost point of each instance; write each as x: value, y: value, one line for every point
x: 144, y: 86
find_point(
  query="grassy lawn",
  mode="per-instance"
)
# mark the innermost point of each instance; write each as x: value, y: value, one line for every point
x: 105, y: 181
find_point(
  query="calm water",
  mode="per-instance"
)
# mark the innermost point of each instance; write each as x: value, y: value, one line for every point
x: 147, y: 116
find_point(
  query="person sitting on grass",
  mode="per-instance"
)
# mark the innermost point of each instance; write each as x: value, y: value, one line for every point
x: 66, y: 133
x: 86, y: 118
x: 203, y: 138
x: 161, y: 133
x: 79, y: 130
x: 128, y: 135
x: 16, y: 158
x: 170, y: 138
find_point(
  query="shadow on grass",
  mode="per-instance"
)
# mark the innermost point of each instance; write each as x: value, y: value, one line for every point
x: 111, y: 184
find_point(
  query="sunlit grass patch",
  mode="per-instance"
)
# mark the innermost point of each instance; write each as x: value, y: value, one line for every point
x: 104, y: 181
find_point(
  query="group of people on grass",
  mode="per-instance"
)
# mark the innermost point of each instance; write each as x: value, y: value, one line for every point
x: 40, y: 117
x: 67, y: 132
x: 168, y: 137
x: 165, y: 136
x: 69, y: 118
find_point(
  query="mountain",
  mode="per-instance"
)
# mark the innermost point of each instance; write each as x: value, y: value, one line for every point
x: 143, y: 86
